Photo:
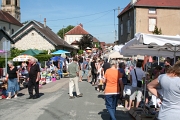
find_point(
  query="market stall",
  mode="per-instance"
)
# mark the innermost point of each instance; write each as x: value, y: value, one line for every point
x: 152, y: 45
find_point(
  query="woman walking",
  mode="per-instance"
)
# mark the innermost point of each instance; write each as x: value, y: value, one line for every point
x: 113, y: 80
x: 13, y: 78
x: 170, y: 95
x: 94, y: 71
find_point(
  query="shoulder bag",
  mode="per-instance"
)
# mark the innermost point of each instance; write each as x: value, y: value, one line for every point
x: 139, y: 83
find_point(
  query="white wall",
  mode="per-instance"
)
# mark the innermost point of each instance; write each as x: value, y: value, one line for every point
x: 9, y: 27
x: 68, y: 38
x: 33, y: 40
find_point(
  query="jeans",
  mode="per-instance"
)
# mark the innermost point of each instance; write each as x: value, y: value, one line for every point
x: 94, y: 78
x: 111, y: 102
x: 13, y: 85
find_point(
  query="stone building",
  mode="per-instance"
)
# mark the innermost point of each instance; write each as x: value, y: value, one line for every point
x: 12, y: 7
x: 35, y: 35
x: 141, y: 16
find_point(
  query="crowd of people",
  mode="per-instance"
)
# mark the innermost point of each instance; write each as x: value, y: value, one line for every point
x: 162, y: 90
x: 110, y: 78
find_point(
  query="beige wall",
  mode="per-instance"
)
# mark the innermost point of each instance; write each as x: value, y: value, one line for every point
x: 167, y: 19
x: 36, y: 41
x: 9, y: 27
x: 67, y: 38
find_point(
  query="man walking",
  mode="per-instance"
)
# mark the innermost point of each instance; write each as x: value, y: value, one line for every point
x: 73, y: 70
x: 34, y: 77
x: 85, y: 70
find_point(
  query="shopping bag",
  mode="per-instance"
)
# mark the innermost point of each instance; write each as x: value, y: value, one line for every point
x: 127, y: 90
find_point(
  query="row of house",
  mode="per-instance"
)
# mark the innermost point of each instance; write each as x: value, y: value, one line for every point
x: 35, y: 35
x: 143, y: 15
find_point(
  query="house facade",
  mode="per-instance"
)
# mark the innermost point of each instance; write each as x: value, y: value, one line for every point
x: 35, y: 35
x: 143, y: 15
x: 8, y: 23
x: 75, y: 34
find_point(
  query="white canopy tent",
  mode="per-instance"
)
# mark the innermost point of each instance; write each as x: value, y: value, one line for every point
x: 114, y: 54
x: 153, y: 45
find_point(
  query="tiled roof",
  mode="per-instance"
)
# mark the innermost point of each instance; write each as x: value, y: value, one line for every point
x: 48, y: 33
x: 78, y: 30
x: 95, y: 39
x: 6, y: 17
x: 153, y: 3
x: 158, y: 3
x: 102, y: 45
x: 74, y: 43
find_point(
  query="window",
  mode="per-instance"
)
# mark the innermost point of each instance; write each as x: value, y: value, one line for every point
x: 152, y: 10
x: 77, y: 39
x: 4, y: 28
x: 152, y: 24
x: 8, y: 2
x: 128, y: 26
x: 32, y: 34
x: 70, y: 39
x: 129, y: 14
x: 121, y: 29
x: 12, y: 31
x: 121, y: 18
x: 16, y: 3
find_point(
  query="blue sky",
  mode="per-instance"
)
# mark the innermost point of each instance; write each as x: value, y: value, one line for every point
x: 97, y: 16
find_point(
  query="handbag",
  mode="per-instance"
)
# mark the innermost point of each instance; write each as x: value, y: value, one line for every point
x: 139, y: 83
x: 127, y: 90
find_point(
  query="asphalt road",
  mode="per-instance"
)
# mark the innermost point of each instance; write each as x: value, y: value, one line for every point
x: 54, y: 104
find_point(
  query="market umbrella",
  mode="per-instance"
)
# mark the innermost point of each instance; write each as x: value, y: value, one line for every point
x: 56, y: 58
x: 60, y: 52
x: 22, y: 58
x: 31, y: 52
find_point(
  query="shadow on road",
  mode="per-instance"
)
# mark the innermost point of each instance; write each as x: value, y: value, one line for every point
x: 120, y: 115
x: 41, y: 94
x: 101, y: 96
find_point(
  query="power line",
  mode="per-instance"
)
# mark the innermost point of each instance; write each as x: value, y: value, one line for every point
x: 81, y: 16
x: 97, y: 18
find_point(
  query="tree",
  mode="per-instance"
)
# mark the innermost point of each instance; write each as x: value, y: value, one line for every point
x: 62, y: 31
x: 85, y: 41
x: 157, y: 31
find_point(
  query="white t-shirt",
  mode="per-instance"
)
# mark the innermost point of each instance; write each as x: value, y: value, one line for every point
x: 140, y: 75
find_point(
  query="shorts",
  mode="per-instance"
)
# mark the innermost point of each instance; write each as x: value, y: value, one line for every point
x: 85, y: 72
x: 136, y: 92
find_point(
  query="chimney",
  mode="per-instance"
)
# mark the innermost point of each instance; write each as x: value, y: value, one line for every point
x: 81, y: 25
x: 45, y: 22
x: 133, y: 2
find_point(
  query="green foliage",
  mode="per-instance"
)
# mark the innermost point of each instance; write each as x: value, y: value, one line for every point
x: 86, y: 41
x: 15, y: 52
x: 62, y: 31
x: 80, y: 52
x: 43, y: 57
x: 157, y: 31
